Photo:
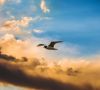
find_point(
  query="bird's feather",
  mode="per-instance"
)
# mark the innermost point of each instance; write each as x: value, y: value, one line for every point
x: 40, y: 45
x: 53, y: 43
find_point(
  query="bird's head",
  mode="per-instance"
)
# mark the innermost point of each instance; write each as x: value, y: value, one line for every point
x: 45, y: 46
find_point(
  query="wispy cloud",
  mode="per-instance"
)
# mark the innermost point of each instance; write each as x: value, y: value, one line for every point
x: 17, y: 1
x: 43, y: 6
x: 11, y: 1
x: 37, y: 31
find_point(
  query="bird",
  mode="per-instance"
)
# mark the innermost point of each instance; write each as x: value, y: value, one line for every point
x: 51, y: 45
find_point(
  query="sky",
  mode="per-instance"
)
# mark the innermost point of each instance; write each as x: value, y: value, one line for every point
x: 75, y: 22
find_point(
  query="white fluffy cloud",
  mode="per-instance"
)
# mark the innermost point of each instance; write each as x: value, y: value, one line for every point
x: 43, y: 6
x: 37, y: 31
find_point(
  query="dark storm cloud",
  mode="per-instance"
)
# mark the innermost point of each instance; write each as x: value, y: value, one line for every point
x: 12, y: 74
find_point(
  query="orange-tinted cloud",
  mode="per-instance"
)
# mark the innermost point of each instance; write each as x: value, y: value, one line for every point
x: 16, y: 74
x: 16, y: 25
x: 28, y: 48
x: 67, y: 73
x: 2, y: 2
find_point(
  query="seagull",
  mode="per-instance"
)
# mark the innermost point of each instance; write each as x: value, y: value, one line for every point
x: 50, y: 46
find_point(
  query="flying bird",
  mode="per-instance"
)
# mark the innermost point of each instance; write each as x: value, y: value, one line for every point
x: 51, y: 45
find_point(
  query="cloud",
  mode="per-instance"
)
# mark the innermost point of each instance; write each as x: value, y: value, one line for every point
x: 16, y: 25
x: 2, y: 2
x: 12, y: 46
x: 34, y: 69
x: 38, y: 31
x: 16, y: 76
x: 44, y: 7
x: 15, y: 1
x: 9, y: 13
x: 41, y: 75
x: 28, y: 47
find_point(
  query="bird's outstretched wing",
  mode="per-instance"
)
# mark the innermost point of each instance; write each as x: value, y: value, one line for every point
x: 53, y: 43
x: 40, y: 45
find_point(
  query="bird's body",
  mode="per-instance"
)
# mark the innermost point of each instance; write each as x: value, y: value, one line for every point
x: 50, y: 46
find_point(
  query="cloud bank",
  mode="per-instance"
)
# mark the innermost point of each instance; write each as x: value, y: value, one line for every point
x: 52, y: 75
x: 16, y: 76
x: 33, y: 70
